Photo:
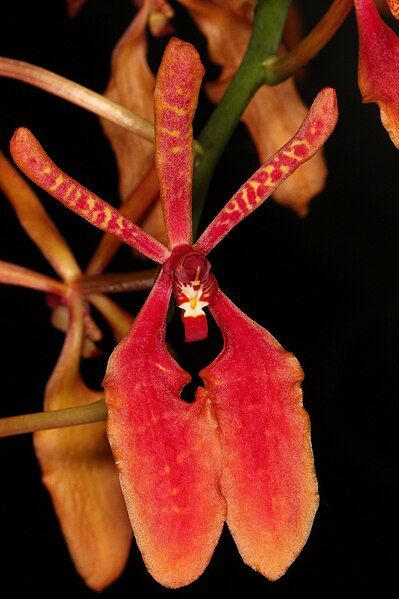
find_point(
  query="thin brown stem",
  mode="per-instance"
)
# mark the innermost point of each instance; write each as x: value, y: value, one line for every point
x: 117, y: 282
x: 281, y: 68
x: 29, y: 423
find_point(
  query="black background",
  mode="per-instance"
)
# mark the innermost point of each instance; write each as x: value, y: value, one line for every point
x: 326, y: 287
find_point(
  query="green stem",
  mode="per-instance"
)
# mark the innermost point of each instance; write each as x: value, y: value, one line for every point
x: 281, y: 68
x: 29, y: 423
x: 269, y: 21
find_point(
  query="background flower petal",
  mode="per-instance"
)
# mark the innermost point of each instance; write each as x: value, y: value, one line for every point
x: 80, y: 473
x: 36, y: 222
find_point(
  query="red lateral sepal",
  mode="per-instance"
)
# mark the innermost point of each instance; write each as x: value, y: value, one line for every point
x: 268, y: 477
x: 175, y: 97
x: 167, y: 450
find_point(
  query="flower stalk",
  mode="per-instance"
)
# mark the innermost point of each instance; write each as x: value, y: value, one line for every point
x: 269, y: 21
x: 39, y: 421
x: 278, y: 69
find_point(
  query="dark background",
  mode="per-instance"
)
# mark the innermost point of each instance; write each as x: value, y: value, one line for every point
x: 326, y: 287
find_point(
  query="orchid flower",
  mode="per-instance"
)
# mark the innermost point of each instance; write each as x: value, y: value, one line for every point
x: 378, y: 64
x: 241, y: 453
x: 77, y: 465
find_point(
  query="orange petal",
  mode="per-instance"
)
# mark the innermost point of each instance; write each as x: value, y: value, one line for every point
x: 159, y: 18
x: 167, y: 450
x: 268, y: 477
x: 274, y: 113
x: 118, y: 319
x: 394, y: 7
x: 131, y: 85
x: 11, y: 274
x: 36, y: 222
x: 80, y: 473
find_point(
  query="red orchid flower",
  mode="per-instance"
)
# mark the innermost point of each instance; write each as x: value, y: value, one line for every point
x: 378, y: 65
x: 241, y: 453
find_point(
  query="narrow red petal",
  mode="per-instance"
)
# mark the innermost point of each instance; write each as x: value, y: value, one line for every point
x: 167, y: 450
x: 268, y: 477
x: 34, y: 162
x: 314, y: 131
x: 176, y: 94
x: 378, y: 65
x: 12, y: 274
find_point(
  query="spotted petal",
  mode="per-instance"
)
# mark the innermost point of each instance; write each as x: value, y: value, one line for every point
x: 34, y: 162
x: 268, y: 478
x: 167, y: 451
x: 176, y: 94
x: 315, y: 130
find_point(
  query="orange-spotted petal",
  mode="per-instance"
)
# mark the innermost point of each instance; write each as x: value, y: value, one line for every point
x: 274, y: 113
x: 36, y: 222
x: 315, y: 130
x: 268, y: 477
x: 176, y: 95
x: 378, y: 65
x: 167, y: 451
x: 80, y: 473
x: 34, y: 162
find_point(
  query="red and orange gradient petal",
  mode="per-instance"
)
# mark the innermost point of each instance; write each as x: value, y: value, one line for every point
x: 176, y: 95
x: 268, y: 477
x: 167, y: 450
x: 34, y: 162
x: 314, y: 131
x: 378, y: 65
x: 80, y: 474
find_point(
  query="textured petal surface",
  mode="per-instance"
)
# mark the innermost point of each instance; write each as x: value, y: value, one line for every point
x: 274, y: 113
x: 315, y: 130
x: 268, y: 477
x: 131, y: 84
x: 80, y: 473
x: 378, y: 65
x: 32, y: 159
x: 134, y: 208
x: 167, y: 451
x: 176, y: 95
x: 36, y: 222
